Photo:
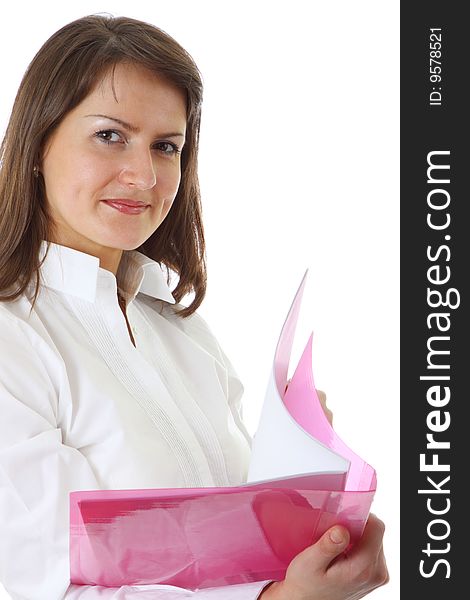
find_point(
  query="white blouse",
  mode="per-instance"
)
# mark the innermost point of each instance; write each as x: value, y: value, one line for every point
x: 81, y: 407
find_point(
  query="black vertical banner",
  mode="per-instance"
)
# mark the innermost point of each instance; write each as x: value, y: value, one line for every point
x: 435, y: 257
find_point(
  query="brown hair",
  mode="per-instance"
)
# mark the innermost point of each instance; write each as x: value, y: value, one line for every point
x: 60, y: 76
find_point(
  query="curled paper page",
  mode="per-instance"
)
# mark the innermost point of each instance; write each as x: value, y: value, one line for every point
x: 302, y: 480
x: 294, y: 436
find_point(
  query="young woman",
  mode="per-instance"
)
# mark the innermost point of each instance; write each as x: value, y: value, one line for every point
x: 106, y: 380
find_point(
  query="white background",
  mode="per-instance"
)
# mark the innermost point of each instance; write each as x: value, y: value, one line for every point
x: 299, y: 168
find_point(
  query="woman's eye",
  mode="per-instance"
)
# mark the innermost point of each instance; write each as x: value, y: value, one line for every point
x: 106, y: 135
x: 168, y: 148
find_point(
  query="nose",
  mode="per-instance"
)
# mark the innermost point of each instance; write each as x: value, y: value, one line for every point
x: 139, y: 169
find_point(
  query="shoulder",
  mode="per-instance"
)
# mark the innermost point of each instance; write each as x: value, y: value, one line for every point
x: 13, y: 321
x: 23, y: 339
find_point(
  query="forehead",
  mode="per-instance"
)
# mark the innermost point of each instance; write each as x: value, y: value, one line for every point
x: 132, y: 87
x: 121, y: 74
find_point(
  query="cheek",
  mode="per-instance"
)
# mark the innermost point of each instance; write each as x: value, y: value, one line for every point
x: 167, y: 204
x: 168, y: 184
x: 92, y: 172
x: 74, y: 175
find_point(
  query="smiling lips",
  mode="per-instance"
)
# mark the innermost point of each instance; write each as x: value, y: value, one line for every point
x: 128, y: 207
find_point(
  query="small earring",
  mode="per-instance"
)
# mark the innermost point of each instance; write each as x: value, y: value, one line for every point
x: 36, y: 171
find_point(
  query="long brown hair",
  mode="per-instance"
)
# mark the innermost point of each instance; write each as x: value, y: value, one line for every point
x: 60, y: 76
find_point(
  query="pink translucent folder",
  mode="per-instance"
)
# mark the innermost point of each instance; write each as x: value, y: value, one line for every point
x: 302, y: 480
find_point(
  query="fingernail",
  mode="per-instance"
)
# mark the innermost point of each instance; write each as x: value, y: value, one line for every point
x: 336, y: 535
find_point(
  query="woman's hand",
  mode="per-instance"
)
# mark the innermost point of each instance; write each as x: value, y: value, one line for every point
x: 322, y: 398
x: 322, y: 572
x: 326, y: 410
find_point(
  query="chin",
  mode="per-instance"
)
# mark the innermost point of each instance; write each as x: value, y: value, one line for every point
x: 124, y: 242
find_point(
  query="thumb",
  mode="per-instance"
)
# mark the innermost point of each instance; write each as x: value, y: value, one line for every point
x: 313, y: 562
x: 328, y: 547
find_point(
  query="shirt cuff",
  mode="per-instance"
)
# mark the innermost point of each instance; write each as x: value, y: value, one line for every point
x: 240, y: 591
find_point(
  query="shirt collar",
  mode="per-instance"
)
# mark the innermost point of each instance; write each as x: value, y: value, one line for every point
x: 79, y: 274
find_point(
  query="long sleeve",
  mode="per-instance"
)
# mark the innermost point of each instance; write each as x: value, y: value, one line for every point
x: 37, y: 472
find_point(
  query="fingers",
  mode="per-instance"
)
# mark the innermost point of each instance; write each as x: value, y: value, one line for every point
x: 365, y: 563
x: 372, y: 538
x: 382, y: 571
x: 379, y: 572
x: 322, y: 397
x: 328, y: 414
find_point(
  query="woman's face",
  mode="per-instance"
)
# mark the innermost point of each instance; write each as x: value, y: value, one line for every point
x: 110, y: 152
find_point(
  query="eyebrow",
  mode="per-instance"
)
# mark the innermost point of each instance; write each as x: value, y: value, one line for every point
x: 133, y: 128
